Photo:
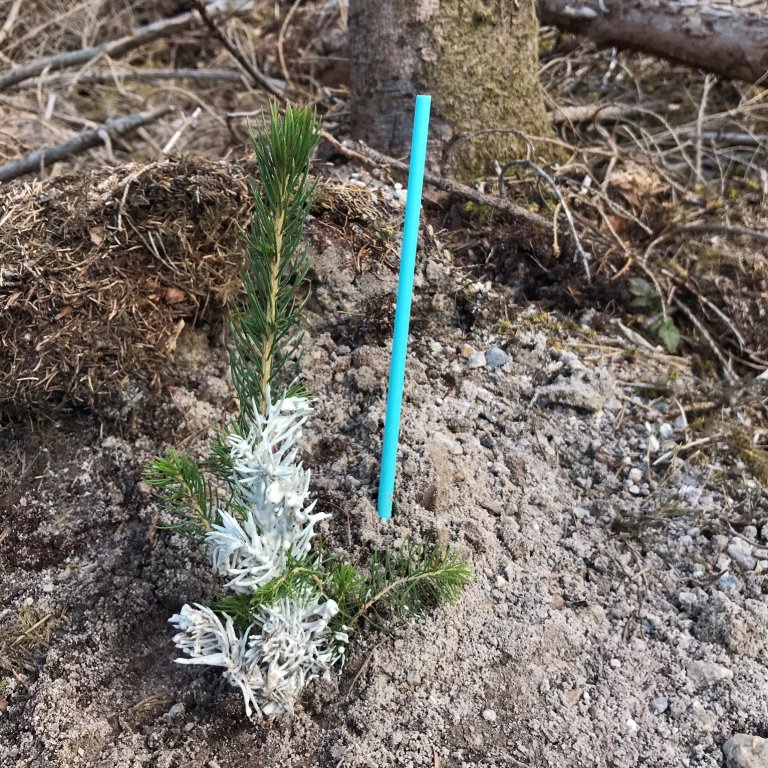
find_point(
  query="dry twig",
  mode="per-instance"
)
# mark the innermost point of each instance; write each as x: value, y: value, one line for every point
x: 84, y: 140
x: 137, y: 75
x: 256, y: 75
x: 113, y: 48
x: 370, y: 157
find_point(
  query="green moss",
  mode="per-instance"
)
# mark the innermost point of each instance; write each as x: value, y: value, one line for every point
x: 484, y: 76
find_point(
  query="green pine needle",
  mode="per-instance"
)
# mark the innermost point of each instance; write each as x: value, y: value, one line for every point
x: 185, y: 491
x: 399, y: 585
x: 404, y: 583
x: 265, y: 328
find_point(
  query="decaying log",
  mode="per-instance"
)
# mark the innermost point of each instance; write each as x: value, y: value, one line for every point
x: 723, y: 39
x: 42, y: 158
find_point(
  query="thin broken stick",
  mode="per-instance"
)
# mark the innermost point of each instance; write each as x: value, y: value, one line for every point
x: 370, y: 157
x: 256, y: 75
x: 85, y: 140
x: 142, y: 75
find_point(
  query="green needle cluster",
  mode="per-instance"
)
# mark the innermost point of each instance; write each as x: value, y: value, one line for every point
x: 266, y: 329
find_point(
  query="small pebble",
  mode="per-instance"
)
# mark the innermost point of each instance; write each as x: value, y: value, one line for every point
x: 496, y: 358
x: 740, y: 551
x: 489, y: 715
x: 658, y: 705
x: 614, y: 663
x: 635, y: 475
x: 634, y: 489
x: 729, y: 583
x: 743, y: 750
x: 631, y: 725
x: 413, y: 678
x: 705, y: 673
x: 666, y: 431
x: 476, y: 360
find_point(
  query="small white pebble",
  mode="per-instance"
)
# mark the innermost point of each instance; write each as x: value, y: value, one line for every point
x: 635, y: 475
x: 614, y: 663
x: 632, y: 726
x: 666, y: 431
x: 489, y: 715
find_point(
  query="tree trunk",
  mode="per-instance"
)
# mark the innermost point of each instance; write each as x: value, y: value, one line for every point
x: 723, y: 39
x: 477, y: 58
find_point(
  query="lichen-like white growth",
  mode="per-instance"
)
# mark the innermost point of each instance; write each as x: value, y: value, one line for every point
x: 271, y: 489
x: 206, y: 640
x: 294, y: 646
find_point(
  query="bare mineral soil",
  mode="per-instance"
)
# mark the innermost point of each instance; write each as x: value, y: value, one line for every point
x: 618, y: 617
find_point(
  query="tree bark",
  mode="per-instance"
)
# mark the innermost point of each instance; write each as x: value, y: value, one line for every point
x: 727, y: 40
x: 477, y: 58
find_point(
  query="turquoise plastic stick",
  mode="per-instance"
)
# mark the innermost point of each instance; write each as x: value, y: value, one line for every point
x: 403, y: 310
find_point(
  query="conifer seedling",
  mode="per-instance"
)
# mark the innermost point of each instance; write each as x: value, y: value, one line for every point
x: 285, y: 611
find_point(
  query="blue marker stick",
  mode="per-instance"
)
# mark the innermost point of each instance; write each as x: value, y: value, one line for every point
x: 403, y: 311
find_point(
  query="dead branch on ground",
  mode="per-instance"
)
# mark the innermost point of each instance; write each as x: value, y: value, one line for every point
x: 256, y: 75
x: 85, y: 140
x: 719, y: 38
x: 139, y: 75
x: 113, y: 48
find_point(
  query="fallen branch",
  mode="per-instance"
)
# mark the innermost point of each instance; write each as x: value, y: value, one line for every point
x: 85, y: 140
x: 113, y: 48
x: 719, y: 38
x: 142, y: 75
x: 589, y: 113
x: 370, y: 157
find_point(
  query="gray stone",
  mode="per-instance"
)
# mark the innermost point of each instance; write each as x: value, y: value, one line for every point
x: 413, y: 677
x: 741, y: 629
x: 496, y: 358
x: 338, y: 751
x: 739, y: 551
x: 705, y: 673
x: 658, y: 705
x: 489, y: 715
x: 635, y: 475
x: 476, y: 360
x: 745, y: 751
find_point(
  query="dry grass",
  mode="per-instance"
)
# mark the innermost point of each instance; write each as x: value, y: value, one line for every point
x: 99, y: 270
x: 23, y: 635
x: 674, y: 191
